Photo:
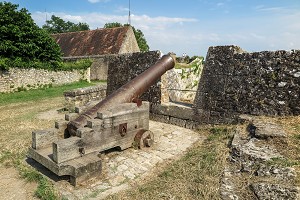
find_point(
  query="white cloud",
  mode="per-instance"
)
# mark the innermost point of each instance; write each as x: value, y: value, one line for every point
x: 271, y: 31
x: 98, y: 20
x: 276, y: 10
x: 97, y: 1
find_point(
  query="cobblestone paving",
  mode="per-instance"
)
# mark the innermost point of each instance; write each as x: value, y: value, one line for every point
x: 121, y: 168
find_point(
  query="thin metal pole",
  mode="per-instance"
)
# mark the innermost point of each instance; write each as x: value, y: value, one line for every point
x: 129, y: 15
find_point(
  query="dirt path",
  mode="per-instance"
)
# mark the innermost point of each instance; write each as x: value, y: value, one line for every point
x: 14, y: 188
x: 17, y: 121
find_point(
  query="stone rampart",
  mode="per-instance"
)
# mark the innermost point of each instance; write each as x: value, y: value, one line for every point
x: 235, y: 82
x: 125, y: 67
x: 82, y: 96
x: 17, y: 79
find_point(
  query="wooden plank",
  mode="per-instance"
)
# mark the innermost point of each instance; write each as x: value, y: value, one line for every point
x: 67, y: 149
x: 44, y: 138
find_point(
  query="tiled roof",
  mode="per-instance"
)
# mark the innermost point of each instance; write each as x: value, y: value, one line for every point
x: 94, y: 42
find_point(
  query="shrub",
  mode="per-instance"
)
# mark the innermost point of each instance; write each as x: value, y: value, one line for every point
x: 23, y: 43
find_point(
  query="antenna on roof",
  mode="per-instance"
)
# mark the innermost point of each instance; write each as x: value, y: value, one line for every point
x: 129, y: 17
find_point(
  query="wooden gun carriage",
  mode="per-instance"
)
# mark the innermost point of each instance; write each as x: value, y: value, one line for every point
x: 72, y: 148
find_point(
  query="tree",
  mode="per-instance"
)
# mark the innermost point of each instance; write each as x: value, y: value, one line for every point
x: 22, y: 40
x: 112, y: 25
x: 58, y: 25
x: 139, y: 35
x: 141, y: 40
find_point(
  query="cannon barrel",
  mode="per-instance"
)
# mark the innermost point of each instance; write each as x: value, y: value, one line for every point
x: 127, y: 93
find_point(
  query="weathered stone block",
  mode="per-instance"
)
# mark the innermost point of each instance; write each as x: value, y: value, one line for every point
x: 177, y: 121
x: 174, y: 110
x: 267, y: 130
x: 275, y: 191
x: 160, y: 118
x: 192, y: 124
x: 61, y: 127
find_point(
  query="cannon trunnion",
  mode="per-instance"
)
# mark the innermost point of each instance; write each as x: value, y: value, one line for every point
x: 121, y: 120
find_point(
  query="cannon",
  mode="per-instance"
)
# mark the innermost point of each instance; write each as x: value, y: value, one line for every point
x: 121, y: 120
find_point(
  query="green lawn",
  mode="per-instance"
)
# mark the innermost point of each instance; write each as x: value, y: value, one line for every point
x: 38, y: 94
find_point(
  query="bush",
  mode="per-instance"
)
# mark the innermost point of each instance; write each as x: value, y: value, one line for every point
x: 23, y: 43
x: 6, y: 63
x: 79, y: 64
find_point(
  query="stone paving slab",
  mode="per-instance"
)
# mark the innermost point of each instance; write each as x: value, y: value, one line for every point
x: 119, y: 168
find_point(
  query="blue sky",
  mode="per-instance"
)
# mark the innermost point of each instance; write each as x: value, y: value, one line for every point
x: 189, y: 26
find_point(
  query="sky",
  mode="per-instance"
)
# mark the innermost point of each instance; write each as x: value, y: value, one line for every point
x: 189, y: 26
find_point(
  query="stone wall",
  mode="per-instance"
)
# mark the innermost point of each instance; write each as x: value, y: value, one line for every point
x: 16, y: 79
x: 177, y: 89
x: 235, y: 82
x: 176, y: 114
x: 99, y: 67
x: 82, y: 96
x: 125, y: 67
x: 121, y: 69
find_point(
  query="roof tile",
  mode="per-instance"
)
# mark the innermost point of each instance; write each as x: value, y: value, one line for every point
x: 93, y: 42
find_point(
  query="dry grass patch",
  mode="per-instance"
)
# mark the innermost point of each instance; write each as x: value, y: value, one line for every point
x: 17, y: 122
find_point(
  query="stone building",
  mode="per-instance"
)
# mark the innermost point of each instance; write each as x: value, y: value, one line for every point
x: 97, y: 42
x: 100, y: 45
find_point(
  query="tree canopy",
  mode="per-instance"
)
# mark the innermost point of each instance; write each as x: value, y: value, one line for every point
x: 21, y: 39
x: 58, y: 25
x: 139, y: 35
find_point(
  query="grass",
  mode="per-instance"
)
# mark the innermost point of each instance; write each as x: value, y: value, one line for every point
x: 196, y: 175
x: 38, y: 94
x: 45, y: 189
x: 182, y: 65
x: 219, y: 132
x: 282, y: 162
x: 18, y: 119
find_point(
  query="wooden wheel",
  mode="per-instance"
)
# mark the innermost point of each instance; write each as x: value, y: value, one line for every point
x: 144, y: 138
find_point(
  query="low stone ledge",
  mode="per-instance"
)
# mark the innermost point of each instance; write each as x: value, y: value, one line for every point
x: 252, y: 156
x: 82, y: 96
x: 274, y: 191
x: 174, y: 110
x: 189, y: 124
x: 84, y: 91
x: 172, y: 113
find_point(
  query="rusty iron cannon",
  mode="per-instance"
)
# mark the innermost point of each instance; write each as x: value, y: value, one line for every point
x: 72, y: 148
